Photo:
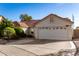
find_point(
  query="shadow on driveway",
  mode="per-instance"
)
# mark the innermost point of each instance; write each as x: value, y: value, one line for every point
x: 31, y: 41
x: 42, y: 41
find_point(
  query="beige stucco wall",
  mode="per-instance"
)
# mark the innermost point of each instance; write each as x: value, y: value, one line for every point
x: 24, y: 29
x: 54, y: 34
x: 1, y: 18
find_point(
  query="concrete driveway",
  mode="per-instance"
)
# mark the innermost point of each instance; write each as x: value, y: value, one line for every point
x: 36, y: 48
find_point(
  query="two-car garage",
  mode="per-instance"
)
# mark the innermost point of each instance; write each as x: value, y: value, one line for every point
x: 58, y: 29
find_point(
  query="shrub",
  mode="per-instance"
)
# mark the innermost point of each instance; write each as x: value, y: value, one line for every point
x: 19, y: 32
x: 0, y: 33
x: 8, y: 32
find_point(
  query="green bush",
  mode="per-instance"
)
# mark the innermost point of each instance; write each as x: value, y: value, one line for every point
x: 0, y: 33
x: 19, y: 31
x: 8, y: 32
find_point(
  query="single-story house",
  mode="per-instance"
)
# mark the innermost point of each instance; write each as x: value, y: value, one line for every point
x: 1, y: 18
x: 54, y: 27
x: 76, y: 32
x: 27, y: 26
x: 21, y: 24
x: 30, y: 30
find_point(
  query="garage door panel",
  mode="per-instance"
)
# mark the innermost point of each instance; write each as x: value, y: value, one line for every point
x: 52, y: 34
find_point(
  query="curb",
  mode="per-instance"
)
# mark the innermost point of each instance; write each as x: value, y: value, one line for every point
x: 74, y: 46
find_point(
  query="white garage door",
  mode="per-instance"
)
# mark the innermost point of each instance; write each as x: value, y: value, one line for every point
x: 54, y: 34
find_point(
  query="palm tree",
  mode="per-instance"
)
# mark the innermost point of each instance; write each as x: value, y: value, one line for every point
x: 25, y: 17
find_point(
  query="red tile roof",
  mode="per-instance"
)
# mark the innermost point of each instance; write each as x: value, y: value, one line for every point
x: 16, y: 24
x: 20, y: 24
x: 31, y: 22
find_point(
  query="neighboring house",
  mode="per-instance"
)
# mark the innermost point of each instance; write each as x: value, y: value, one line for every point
x: 27, y: 26
x: 31, y: 23
x: 1, y: 18
x: 76, y: 33
x: 21, y: 24
x: 54, y: 27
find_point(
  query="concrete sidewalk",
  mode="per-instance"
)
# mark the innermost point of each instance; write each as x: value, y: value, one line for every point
x: 36, y: 49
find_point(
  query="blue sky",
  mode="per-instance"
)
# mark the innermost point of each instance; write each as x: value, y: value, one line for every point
x: 39, y: 10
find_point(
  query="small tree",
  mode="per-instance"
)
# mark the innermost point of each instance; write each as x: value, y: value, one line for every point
x: 25, y: 17
x: 6, y: 23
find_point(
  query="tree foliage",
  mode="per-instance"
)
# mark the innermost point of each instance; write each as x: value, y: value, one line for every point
x: 19, y: 31
x: 6, y: 23
x: 25, y: 17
